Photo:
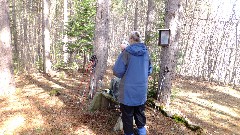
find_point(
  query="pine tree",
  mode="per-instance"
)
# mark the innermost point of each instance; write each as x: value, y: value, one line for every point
x: 7, y: 83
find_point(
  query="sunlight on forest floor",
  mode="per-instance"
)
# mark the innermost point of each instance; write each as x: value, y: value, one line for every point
x: 215, y: 108
x: 34, y: 111
x: 32, y: 108
x: 227, y: 90
x: 84, y: 130
x: 16, y: 114
x: 10, y: 125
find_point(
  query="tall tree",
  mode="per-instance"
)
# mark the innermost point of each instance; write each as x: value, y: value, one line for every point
x: 14, y: 31
x: 150, y: 20
x: 125, y: 16
x: 65, y: 37
x: 80, y: 29
x: 7, y: 85
x: 168, y: 56
x: 135, y: 27
x: 46, y: 37
x: 101, y: 39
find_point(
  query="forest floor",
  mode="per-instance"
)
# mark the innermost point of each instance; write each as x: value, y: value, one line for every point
x: 58, y: 106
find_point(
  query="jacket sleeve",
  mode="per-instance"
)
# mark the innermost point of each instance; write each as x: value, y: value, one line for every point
x: 120, y: 65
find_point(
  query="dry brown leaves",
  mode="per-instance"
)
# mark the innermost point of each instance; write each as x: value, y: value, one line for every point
x: 33, y: 111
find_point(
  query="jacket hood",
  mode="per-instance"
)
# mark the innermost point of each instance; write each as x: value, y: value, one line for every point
x: 137, y: 49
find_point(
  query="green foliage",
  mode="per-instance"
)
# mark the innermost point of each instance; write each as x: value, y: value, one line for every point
x: 151, y: 38
x: 81, y: 26
x: 54, y: 92
x: 59, y: 64
x: 62, y: 75
x: 153, y: 83
x: 74, y: 66
x: 150, y: 102
x: 153, y: 86
x: 39, y: 64
x: 152, y: 93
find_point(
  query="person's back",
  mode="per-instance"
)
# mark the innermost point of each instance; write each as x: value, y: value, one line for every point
x: 135, y: 78
x: 133, y: 67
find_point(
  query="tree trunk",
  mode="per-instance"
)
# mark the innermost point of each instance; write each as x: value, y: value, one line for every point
x: 101, y: 39
x: 14, y: 33
x: 7, y: 83
x: 135, y: 27
x: 39, y: 43
x: 46, y: 37
x: 169, y: 53
x: 84, y: 60
x: 150, y: 20
x: 21, y: 36
x: 65, y: 38
x: 235, y: 65
x: 125, y: 17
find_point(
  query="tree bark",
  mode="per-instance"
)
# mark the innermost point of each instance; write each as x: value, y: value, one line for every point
x: 14, y: 32
x: 7, y: 83
x: 39, y: 42
x: 150, y: 20
x: 125, y: 17
x: 168, y: 56
x: 135, y: 27
x: 101, y: 39
x: 46, y: 37
x: 235, y: 65
x: 65, y: 37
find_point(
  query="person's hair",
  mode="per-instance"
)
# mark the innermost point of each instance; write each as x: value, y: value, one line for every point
x: 135, y: 35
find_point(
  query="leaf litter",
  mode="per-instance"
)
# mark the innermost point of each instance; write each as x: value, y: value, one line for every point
x: 41, y: 111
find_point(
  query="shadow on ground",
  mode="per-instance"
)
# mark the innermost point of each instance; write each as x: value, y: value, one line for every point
x: 215, y: 108
x: 73, y: 116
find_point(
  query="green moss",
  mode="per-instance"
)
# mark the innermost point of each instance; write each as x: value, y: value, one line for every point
x: 54, y: 92
x: 179, y: 119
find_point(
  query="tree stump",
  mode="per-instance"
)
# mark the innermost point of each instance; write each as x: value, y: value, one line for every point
x: 99, y: 102
x: 103, y: 100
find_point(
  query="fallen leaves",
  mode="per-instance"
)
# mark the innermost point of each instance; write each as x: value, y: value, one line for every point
x: 67, y: 112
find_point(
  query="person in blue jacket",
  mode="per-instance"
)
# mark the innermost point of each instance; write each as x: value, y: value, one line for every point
x: 133, y: 66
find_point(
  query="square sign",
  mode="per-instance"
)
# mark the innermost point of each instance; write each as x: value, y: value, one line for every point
x: 164, y: 37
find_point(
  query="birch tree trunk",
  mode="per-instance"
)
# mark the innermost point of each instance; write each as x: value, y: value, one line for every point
x: 46, y: 37
x: 101, y: 40
x: 168, y: 56
x: 7, y: 83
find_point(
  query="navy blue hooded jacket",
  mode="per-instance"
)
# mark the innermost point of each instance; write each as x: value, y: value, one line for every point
x: 133, y: 66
